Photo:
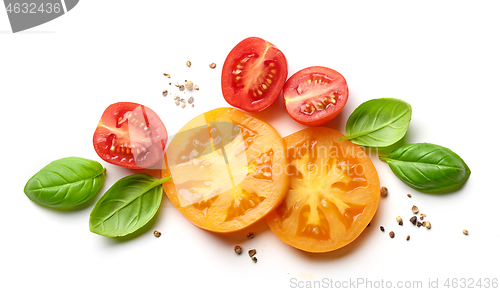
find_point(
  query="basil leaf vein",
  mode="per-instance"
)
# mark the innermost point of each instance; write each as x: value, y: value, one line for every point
x: 378, y: 122
x: 428, y: 167
x: 66, y: 182
x: 127, y: 206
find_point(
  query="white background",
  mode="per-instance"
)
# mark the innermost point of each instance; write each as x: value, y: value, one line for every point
x: 56, y: 80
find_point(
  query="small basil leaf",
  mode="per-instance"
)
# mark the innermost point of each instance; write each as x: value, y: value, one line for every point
x: 66, y: 182
x: 127, y: 206
x: 378, y: 122
x: 428, y: 167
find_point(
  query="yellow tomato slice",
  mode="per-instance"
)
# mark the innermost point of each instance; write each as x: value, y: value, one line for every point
x: 228, y: 170
x: 333, y: 193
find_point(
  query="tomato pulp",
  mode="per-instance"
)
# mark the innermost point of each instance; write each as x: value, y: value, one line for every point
x: 333, y: 193
x: 227, y: 170
x: 130, y: 135
x: 253, y: 74
x: 315, y: 95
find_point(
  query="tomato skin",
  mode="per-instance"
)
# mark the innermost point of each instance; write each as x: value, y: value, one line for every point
x: 315, y: 103
x: 333, y: 193
x: 253, y: 74
x: 130, y: 135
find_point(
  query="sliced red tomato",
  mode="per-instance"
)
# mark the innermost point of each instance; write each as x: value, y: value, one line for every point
x: 130, y: 135
x: 333, y: 194
x: 253, y: 74
x: 315, y: 95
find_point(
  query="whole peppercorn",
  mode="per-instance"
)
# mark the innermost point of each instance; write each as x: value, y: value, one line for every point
x: 399, y: 220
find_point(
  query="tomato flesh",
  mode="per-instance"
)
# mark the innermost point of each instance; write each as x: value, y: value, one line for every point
x: 130, y: 135
x: 227, y: 170
x: 315, y: 95
x: 333, y: 193
x: 253, y: 74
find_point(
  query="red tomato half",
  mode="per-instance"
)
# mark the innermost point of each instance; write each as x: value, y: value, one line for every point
x: 130, y: 135
x: 315, y: 95
x: 253, y: 74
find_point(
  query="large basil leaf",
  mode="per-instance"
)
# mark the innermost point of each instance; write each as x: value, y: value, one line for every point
x: 65, y: 182
x: 127, y: 206
x: 428, y: 167
x: 378, y: 122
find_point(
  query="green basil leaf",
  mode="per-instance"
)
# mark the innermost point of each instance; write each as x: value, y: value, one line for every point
x: 127, y: 206
x: 65, y: 182
x: 378, y: 122
x: 428, y: 167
